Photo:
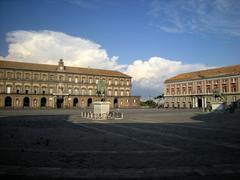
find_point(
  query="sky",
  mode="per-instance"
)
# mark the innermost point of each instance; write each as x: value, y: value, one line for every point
x: 150, y: 40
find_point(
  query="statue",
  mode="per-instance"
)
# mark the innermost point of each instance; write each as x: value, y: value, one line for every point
x: 101, y: 89
x: 218, y: 96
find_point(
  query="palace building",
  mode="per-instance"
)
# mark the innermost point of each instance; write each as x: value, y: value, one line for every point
x: 197, y: 89
x: 28, y: 85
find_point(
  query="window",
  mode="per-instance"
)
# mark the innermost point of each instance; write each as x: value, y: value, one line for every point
x: 122, y: 82
x: 116, y: 82
x: 167, y: 91
x: 69, y: 79
x: 110, y: 93
x: 224, y: 88
x: 61, y: 78
x: 51, y: 77
x: 127, y: 83
x: 26, y: 91
x: 208, y: 89
x: 127, y: 93
x: 17, y: 91
x: 43, y: 92
x: 83, y: 80
x: 75, y: 91
x: 115, y: 93
x: 51, y: 90
x: 189, y: 90
x: 96, y: 81
x: 83, y: 91
x: 90, y: 92
x: 121, y: 93
x: 76, y: 80
x: 1, y: 74
x: 35, y: 91
x: 9, y: 75
x: 233, y: 80
x: 199, y: 89
x: 183, y: 90
x: 233, y: 87
x: 36, y: 76
x: 178, y: 91
x: 69, y: 91
x: 8, y: 90
x: 18, y: 75
x: 27, y: 75
x: 44, y: 77
x: 90, y: 80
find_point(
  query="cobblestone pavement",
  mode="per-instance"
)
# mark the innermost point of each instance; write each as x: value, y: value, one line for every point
x: 147, y: 143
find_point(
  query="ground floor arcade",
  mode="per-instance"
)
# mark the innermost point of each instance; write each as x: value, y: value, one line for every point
x: 64, y: 101
x: 199, y: 101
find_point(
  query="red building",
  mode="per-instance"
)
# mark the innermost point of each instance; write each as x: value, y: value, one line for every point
x: 196, y: 89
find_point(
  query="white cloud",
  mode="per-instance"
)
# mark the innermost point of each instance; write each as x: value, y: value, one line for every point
x: 49, y: 46
x: 149, y: 75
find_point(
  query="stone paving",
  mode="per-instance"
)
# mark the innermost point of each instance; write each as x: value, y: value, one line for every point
x: 146, y: 144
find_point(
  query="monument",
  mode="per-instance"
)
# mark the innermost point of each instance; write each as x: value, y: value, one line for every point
x: 101, y: 109
x: 219, y: 103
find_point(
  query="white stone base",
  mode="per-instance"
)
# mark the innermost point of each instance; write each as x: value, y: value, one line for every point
x: 218, y: 106
x: 101, y: 109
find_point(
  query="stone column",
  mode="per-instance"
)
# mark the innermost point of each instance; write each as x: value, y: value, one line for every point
x: 193, y: 102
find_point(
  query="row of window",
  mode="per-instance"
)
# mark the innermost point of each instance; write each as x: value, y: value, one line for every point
x: 70, y: 91
x: 63, y: 78
x: 207, y: 82
x: 224, y: 88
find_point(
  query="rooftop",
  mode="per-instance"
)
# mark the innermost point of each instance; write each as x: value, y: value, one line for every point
x: 203, y: 74
x: 53, y: 68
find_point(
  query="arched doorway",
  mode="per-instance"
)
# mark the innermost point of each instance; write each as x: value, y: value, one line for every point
x: 199, y: 103
x: 26, y: 102
x: 43, y: 102
x: 8, y: 101
x: 115, y: 103
x: 59, y: 101
x: 89, y: 102
x: 75, y: 102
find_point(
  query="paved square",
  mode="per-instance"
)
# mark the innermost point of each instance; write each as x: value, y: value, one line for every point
x: 147, y: 143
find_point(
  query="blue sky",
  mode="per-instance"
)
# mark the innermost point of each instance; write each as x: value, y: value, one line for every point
x: 136, y: 37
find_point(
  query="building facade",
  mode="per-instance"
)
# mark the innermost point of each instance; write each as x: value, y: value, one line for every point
x: 28, y: 85
x: 197, y: 89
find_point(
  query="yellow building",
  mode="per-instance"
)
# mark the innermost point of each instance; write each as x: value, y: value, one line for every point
x: 28, y: 85
x: 197, y: 89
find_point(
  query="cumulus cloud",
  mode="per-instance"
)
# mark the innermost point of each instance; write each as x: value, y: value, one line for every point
x: 49, y: 46
x: 149, y: 75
